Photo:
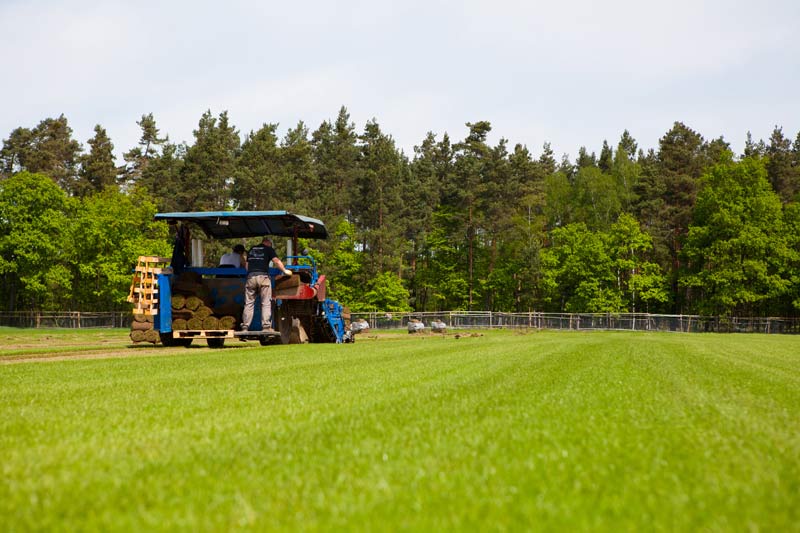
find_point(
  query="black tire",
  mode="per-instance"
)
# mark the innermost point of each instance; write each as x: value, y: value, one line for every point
x: 168, y: 340
x: 269, y: 341
x: 215, y: 343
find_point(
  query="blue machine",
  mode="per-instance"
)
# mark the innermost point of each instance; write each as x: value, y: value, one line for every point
x: 301, y: 309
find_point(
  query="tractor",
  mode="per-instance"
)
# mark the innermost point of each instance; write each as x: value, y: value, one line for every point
x: 301, y: 310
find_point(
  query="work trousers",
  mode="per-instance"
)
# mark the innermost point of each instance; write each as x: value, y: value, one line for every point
x: 257, y: 284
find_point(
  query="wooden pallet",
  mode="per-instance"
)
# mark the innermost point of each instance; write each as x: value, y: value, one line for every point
x: 144, y: 286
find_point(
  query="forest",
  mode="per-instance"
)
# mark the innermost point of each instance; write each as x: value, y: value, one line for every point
x: 690, y: 226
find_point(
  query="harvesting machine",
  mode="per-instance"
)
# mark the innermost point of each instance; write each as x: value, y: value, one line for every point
x: 301, y: 310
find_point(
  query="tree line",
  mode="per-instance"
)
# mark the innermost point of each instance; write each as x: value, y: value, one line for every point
x: 686, y: 227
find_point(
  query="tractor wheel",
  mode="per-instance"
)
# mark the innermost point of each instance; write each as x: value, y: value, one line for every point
x: 269, y: 341
x: 168, y: 340
x: 215, y: 343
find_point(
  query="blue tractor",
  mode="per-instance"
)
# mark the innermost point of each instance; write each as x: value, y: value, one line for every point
x: 301, y: 310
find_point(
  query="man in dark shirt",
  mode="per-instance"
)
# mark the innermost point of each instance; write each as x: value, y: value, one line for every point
x: 257, y: 264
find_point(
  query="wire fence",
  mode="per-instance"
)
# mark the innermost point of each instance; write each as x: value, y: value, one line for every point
x: 72, y: 319
x: 469, y: 320
x: 584, y: 321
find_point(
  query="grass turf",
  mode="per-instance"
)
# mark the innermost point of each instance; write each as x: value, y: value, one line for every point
x: 549, y: 430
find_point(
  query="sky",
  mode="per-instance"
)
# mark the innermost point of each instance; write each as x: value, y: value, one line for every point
x: 569, y: 72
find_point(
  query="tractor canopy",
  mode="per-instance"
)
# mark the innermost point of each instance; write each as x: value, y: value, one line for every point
x: 245, y: 224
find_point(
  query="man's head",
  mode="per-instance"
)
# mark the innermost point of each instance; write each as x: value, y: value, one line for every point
x: 238, y: 249
x: 267, y: 241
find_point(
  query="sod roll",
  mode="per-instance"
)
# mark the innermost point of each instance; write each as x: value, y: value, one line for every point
x: 203, y: 312
x: 179, y: 324
x: 178, y: 301
x: 194, y: 323
x: 139, y: 317
x: 210, y: 322
x: 182, y: 313
x: 141, y: 326
x: 227, y: 322
x: 193, y: 302
x: 137, y: 335
x: 151, y: 335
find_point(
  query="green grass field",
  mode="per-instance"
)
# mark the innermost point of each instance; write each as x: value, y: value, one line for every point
x: 540, y: 431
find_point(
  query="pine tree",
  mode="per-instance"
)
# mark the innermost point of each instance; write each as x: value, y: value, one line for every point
x: 161, y: 177
x: 754, y: 149
x: 782, y: 169
x: 606, y: 158
x: 377, y: 202
x: 585, y: 159
x: 210, y: 165
x: 257, y: 180
x: 429, y: 171
x: 98, y: 171
x: 46, y: 149
x: 336, y: 157
x: 546, y: 161
x: 628, y: 144
x: 467, y: 192
x: 138, y: 157
x: 297, y: 161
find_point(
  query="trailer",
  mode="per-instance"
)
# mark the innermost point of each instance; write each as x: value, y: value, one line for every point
x: 301, y: 310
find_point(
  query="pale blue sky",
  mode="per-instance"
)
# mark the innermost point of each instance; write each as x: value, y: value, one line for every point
x: 570, y: 72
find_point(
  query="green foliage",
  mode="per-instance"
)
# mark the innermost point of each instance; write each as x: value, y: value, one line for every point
x: 638, y: 278
x: 588, y: 271
x: 139, y: 158
x: 597, y: 197
x: 336, y: 155
x: 59, y: 252
x: 257, y: 184
x: 341, y: 264
x: 98, y: 171
x: 462, y: 224
x: 35, y: 217
x: 46, y: 149
x: 110, y: 230
x: 783, y: 166
x: 210, y: 165
x: 385, y: 292
x: 736, y: 247
x: 377, y: 202
x: 579, y: 273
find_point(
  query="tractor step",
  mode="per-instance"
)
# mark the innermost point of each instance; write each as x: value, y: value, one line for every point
x: 203, y: 334
x: 255, y: 335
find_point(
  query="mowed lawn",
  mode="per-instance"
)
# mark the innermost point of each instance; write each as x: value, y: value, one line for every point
x: 505, y: 431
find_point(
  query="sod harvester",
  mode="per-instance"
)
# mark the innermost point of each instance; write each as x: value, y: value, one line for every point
x: 186, y: 295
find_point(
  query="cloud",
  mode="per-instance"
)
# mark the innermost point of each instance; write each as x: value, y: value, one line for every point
x: 573, y: 72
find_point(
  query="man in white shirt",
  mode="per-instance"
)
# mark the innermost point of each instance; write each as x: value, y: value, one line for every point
x: 235, y: 258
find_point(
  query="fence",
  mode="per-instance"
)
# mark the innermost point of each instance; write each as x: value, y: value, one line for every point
x: 586, y: 321
x: 73, y: 319
x: 470, y: 320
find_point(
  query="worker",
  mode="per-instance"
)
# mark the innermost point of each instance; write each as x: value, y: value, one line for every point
x: 234, y: 259
x: 257, y: 264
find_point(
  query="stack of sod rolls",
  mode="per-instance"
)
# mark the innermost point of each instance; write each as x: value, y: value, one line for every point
x: 192, y: 313
x: 142, y: 329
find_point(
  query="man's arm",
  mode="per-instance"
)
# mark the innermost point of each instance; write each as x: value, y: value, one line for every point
x: 277, y: 262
